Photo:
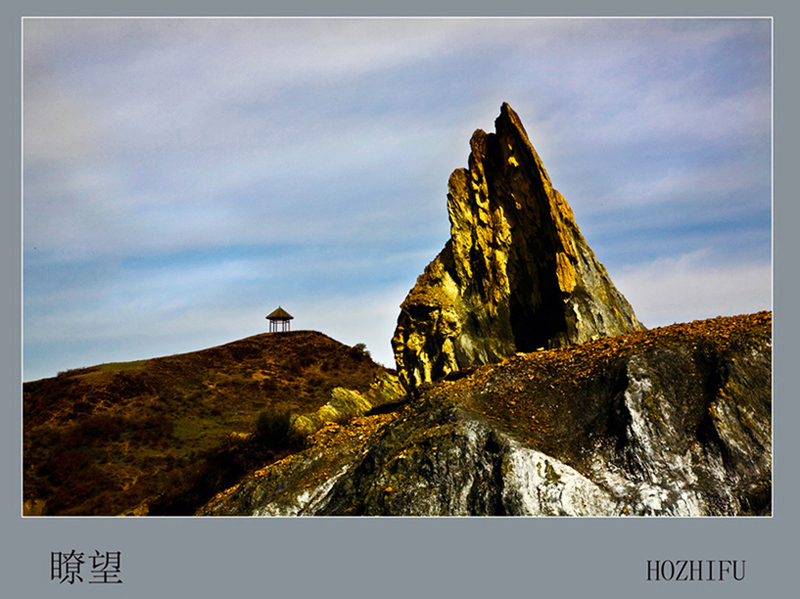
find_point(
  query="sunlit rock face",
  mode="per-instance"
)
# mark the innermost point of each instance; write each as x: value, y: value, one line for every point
x: 516, y: 274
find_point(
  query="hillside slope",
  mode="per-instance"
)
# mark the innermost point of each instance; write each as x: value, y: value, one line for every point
x: 135, y: 436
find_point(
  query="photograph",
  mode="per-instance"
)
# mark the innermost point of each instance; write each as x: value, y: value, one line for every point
x: 453, y: 302
x: 185, y: 179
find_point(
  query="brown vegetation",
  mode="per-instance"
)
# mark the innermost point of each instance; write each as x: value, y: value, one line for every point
x: 161, y: 436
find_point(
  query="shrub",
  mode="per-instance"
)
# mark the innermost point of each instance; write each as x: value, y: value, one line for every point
x: 269, y: 385
x: 151, y: 428
x: 102, y: 426
x: 359, y: 352
x: 273, y: 427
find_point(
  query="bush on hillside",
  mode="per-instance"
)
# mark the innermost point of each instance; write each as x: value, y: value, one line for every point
x: 274, y: 429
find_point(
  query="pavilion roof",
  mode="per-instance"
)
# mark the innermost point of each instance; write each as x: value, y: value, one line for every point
x: 280, y: 314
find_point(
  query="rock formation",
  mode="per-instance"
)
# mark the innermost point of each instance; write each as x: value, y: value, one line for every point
x: 674, y: 422
x: 516, y: 274
x: 346, y: 404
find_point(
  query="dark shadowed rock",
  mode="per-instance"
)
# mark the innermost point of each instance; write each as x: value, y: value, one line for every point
x: 673, y: 421
x: 516, y: 274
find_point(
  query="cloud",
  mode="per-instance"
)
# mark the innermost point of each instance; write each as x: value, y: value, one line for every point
x: 690, y: 287
x: 182, y: 175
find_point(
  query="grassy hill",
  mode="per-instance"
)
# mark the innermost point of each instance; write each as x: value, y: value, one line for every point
x: 160, y: 436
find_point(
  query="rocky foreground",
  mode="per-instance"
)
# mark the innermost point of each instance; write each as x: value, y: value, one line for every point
x: 672, y: 421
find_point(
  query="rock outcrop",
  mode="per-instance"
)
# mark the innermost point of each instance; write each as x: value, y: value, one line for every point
x: 346, y: 404
x: 516, y: 274
x: 674, y: 421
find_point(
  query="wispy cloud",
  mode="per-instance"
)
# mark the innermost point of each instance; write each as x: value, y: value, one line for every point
x: 186, y: 173
x: 659, y: 290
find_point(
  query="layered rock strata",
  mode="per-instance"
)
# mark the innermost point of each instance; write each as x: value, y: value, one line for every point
x: 516, y: 274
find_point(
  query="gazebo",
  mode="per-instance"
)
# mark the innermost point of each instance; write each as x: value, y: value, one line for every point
x: 279, y: 321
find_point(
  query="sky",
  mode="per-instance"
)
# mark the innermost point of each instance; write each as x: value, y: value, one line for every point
x: 184, y: 177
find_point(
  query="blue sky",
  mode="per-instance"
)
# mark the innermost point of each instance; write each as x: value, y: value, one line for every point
x: 184, y: 177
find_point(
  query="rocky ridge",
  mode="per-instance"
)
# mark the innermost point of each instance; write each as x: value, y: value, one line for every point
x: 674, y: 421
x: 516, y: 274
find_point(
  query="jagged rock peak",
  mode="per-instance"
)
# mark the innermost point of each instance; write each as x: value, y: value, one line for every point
x: 515, y: 275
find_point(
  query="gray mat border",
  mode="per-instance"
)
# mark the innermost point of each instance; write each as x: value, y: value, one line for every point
x: 396, y: 557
